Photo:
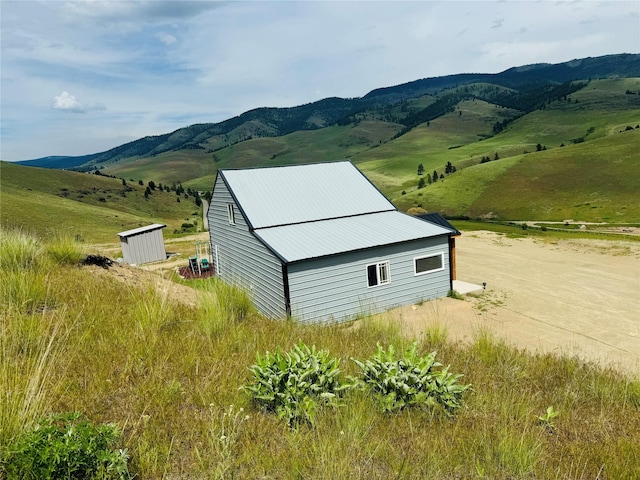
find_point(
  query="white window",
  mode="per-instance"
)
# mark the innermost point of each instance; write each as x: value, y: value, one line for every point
x: 378, y: 274
x: 231, y: 214
x: 428, y: 264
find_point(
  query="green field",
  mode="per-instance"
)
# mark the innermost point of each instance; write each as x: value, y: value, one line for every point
x: 587, y: 168
x: 91, y: 207
x: 590, y: 181
x: 166, y: 359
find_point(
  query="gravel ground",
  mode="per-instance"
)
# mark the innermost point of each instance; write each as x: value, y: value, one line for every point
x: 575, y: 297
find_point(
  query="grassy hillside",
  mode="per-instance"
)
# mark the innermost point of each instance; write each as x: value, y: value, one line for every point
x: 179, y: 167
x: 568, y: 129
x: 166, y: 363
x: 590, y: 181
x: 552, y: 182
x: 91, y: 207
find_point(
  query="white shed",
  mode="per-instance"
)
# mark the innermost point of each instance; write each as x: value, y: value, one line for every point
x: 143, y: 245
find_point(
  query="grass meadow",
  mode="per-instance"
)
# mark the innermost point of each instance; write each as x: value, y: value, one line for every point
x: 166, y: 360
x: 92, y: 207
x: 592, y: 181
x: 180, y: 167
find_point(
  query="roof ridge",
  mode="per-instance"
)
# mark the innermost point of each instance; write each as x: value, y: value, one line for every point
x: 325, y: 219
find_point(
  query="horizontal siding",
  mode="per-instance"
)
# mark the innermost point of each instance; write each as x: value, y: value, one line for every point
x: 243, y: 260
x: 336, y: 287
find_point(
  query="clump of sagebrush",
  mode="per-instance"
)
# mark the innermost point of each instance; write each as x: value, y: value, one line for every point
x: 411, y: 380
x: 294, y: 384
x: 67, y: 446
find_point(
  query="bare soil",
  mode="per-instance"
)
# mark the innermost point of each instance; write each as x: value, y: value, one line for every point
x: 571, y: 297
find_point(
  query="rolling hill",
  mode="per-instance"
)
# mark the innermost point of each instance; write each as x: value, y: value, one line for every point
x: 536, y: 133
x: 91, y: 208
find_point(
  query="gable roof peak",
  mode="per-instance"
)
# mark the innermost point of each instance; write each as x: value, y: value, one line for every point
x: 285, y: 195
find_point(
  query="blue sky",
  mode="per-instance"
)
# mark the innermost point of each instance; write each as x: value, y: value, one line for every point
x: 81, y: 77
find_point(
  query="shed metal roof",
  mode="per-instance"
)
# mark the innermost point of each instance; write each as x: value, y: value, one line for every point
x: 136, y: 231
x: 303, y: 193
x: 328, y: 237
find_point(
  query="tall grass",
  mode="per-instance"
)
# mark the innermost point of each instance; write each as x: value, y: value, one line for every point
x: 32, y: 331
x: 30, y: 346
x: 63, y: 249
x: 166, y: 371
x: 222, y: 306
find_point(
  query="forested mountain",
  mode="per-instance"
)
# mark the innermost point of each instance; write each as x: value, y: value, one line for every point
x: 520, y: 90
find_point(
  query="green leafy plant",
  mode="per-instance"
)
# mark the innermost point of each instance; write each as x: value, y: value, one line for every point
x: 293, y: 384
x: 547, y: 420
x: 411, y: 380
x: 67, y: 446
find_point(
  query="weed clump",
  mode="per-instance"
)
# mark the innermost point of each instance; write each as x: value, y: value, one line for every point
x: 411, y: 380
x: 68, y: 446
x: 294, y: 384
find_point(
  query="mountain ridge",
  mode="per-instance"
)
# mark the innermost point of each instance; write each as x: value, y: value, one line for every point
x: 270, y: 122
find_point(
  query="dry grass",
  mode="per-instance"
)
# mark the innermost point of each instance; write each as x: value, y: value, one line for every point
x: 167, y: 373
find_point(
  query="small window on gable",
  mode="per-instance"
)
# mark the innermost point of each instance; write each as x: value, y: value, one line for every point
x: 231, y: 214
x: 428, y: 264
x: 378, y: 274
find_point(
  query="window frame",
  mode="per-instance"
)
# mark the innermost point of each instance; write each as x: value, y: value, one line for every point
x: 426, y: 272
x: 386, y: 265
x: 231, y: 214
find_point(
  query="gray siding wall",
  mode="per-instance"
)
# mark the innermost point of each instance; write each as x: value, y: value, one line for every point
x: 241, y: 259
x: 143, y: 248
x: 336, y: 288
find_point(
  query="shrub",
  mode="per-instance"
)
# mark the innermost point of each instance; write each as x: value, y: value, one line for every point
x: 67, y: 446
x: 411, y: 380
x: 293, y: 384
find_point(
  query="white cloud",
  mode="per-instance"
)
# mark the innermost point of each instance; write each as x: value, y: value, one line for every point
x: 66, y: 101
x: 166, y: 38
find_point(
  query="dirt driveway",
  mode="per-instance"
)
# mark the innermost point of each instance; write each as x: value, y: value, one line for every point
x: 575, y: 297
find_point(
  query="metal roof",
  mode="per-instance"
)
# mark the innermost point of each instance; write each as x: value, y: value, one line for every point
x: 328, y: 237
x: 139, y: 230
x: 303, y: 193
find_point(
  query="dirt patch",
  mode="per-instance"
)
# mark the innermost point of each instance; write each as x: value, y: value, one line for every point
x: 136, y: 277
x: 574, y: 297
x: 188, y: 274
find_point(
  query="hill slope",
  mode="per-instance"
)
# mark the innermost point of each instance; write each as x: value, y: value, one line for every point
x: 88, y: 207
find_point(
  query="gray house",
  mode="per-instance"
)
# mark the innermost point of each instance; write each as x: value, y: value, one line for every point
x: 320, y: 242
x: 143, y: 245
